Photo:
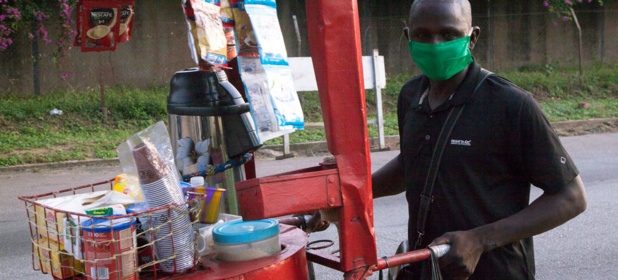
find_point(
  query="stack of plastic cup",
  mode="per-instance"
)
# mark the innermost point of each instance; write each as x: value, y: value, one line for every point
x: 161, y: 187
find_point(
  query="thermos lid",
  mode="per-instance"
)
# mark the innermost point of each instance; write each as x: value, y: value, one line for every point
x: 199, y: 93
x: 238, y: 231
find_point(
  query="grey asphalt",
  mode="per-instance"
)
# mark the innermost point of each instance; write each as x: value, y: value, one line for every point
x: 584, y: 248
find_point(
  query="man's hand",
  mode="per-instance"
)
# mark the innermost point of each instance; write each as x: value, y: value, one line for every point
x: 461, y: 259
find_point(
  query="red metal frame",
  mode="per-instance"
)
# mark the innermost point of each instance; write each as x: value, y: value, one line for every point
x: 334, y: 39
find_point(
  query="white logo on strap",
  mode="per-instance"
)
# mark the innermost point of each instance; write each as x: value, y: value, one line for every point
x: 461, y: 142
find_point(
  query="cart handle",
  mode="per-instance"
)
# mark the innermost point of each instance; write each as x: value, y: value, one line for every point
x: 411, y: 257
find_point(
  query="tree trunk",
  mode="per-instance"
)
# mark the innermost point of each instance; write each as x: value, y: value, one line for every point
x: 579, y: 31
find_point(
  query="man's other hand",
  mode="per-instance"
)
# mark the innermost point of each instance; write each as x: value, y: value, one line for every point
x: 461, y: 259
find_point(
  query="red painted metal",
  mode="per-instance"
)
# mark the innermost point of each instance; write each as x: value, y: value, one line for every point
x: 405, y: 258
x: 334, y: 38
x: 290, y: 264
x: 289, y: 193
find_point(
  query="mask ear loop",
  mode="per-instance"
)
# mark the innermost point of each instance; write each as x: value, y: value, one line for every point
x: 406, y: 32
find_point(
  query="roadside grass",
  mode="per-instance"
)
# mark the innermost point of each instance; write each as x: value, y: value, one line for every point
x: 28, y: 134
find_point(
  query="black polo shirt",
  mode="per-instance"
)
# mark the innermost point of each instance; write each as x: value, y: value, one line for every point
x: 501, y: 144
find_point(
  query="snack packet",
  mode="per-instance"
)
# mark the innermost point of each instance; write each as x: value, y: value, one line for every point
x: 246, y: 42
x: 100, y: 25
x: 267, y: 31
x: 127, y: 11
x: 206, y: 38
x: 227, y: 17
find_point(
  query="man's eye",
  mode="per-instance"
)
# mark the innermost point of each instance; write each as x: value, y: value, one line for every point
x: 449, y: 35
x: 419, y: 35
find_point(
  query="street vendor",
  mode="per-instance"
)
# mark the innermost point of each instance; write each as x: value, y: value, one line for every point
x: 498, y: 143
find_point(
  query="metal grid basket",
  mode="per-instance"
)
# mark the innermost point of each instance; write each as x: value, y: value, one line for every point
x: 71, y: 245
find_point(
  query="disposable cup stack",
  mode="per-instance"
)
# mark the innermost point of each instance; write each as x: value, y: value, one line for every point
x: 161, y: 187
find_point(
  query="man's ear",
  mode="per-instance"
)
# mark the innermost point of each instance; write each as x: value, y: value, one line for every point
x: 406, y: 32
x: 474, y: 37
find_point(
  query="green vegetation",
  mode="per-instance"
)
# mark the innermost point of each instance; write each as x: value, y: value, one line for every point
x: 28, y: 134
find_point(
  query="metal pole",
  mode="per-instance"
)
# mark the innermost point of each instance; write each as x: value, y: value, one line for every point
x: 376, y: 81
x: 300, y: 48
x: 35, y: 62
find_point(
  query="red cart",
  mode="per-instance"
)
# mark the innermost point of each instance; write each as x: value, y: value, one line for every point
x: 345, y: 186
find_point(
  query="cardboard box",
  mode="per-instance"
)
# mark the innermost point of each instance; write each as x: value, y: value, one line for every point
x: 50, y: 224
x: 55, y: 261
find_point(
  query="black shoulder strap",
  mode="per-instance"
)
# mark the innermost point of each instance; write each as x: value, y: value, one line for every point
x: 447, y: 128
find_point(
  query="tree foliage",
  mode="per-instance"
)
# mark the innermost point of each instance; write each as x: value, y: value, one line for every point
x: 34, y: 16
x: 562, y: 8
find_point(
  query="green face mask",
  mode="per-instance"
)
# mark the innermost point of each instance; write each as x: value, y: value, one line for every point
x: 441, y: 61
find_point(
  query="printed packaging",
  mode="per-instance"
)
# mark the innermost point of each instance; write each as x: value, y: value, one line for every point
x: 127, y: 11
x: 100, y: 25
x: 207, y: 40
x: 246, y: 42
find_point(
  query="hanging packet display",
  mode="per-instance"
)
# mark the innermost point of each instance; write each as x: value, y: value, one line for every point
x: 227, y: 17
x: 100, y: 25
x: 127, y: 11
x: 274, y: 62
x: 255, y: 80
x: 263, y: 16
x: 79, y: 9
x: 246, y: 43
x: 206, y: 38
x: 284, y: 97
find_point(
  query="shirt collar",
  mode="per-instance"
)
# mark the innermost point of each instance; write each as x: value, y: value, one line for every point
x: 462, y: 95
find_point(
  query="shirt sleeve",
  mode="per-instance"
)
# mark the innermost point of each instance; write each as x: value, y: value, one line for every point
x: 545, y: 161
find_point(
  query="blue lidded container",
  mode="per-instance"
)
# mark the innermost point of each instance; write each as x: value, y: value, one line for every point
x: 105, y: 225
x: 243, y: 241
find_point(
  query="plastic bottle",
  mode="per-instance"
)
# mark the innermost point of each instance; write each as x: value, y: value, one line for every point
x: 198, y: 186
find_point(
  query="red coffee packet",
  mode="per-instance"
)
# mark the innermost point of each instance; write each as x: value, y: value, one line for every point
x: 100, y: 25
x: 126, y: 20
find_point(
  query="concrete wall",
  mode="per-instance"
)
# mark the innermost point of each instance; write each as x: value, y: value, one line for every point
x: 158, y: 49
x: 513, y: 34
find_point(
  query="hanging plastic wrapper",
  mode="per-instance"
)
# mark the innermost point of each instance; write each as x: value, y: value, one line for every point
x: 148, y: 156
x: 207, y: 41
x: 127, y: 14
x: 100, y: 25
x: 268, y: 80
x: 246, y: 43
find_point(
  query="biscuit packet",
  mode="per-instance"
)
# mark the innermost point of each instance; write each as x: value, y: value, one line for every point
x: 127, y: 11
x: 100, y: 25
x: 206, y: 38
x: 227, y: 17
x: 246, y: 42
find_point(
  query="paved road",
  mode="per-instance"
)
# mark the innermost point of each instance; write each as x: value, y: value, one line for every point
x: 584, y: 248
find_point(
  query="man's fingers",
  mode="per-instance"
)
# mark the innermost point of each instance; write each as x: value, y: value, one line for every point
x: 444, y: 239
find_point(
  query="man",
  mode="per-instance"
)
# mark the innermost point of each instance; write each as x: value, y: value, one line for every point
x: 500, y: 145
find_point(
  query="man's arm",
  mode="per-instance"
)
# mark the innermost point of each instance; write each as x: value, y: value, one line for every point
x: 547, y: 212
x: 388, y: 180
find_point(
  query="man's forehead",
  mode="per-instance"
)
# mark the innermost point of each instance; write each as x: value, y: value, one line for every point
x: 457, y: 10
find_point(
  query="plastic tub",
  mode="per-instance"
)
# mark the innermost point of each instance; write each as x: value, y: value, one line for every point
x: 243, y: 241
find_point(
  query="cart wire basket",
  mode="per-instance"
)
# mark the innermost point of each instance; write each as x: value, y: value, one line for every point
x: 156, y: 243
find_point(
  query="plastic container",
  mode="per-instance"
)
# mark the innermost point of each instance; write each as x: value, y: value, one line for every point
x: 109, y: 249
x: 243, y: 241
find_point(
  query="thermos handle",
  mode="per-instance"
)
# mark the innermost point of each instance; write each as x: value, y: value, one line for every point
x: 210, y: 111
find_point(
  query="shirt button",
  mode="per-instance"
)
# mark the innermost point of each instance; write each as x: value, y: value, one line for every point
x: 431, y: 116
x: 427, y: 137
